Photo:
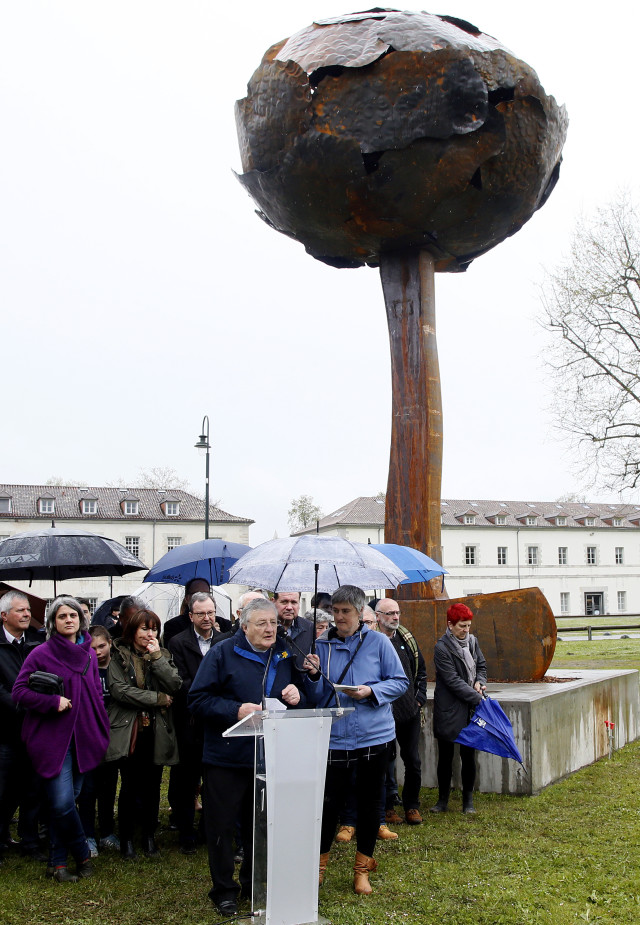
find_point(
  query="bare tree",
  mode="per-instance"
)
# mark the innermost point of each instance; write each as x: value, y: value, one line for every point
x: 302, y: 512
x: 163, y: 477
x: 592, y: 305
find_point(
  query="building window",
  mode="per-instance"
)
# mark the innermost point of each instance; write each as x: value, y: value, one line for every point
x: 469, y: 518
x: 93, y: 603
x: 173, y: 541
x: 502, y: 555
x: 561, y: 521
x: 562, y: 555
x: 532, y: 555
x: 5, y: 536
x: 89, y: 507
x: 5, y: 505
x: 132, y: 545
x: 591, y: 555
x: 619, y: 555
x: 131, y: 507
x: 618, y: 521
x: 172, y: 508
x: 589, y: 521
x: 46, y: 505
x: 501, y: 520
x: 469, y: 555
x: 564, y: 602
x: 531, y: 521
x: 622, y: 601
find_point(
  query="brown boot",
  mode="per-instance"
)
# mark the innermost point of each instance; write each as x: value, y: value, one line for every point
x: 362, y: 868
x: 324, y: 860
x: 345, y: 833
x: 385, y: 833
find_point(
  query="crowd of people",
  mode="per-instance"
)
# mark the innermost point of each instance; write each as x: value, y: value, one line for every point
x: 85, y: 706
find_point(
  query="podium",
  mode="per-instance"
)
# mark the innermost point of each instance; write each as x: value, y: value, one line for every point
x: 290, y: 765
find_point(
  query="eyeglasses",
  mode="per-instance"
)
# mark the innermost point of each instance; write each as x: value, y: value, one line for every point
x: 388, y: 613
x: 209, y: 613
x: 369, y: 622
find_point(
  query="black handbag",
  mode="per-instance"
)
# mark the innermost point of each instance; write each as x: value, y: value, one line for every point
x: 45, y: 682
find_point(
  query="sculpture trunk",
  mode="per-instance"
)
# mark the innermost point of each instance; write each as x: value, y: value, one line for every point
x: 415, y: 465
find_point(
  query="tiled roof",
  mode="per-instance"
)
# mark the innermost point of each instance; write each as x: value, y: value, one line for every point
x: 24, y: 504
x: 370, y: 511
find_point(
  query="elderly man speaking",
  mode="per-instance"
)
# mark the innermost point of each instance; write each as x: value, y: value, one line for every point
x: 228, y: 686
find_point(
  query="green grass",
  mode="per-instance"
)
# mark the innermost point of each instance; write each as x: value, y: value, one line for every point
x: 569, y: 855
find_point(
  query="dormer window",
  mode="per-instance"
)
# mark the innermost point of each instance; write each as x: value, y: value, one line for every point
x: 589, y: 521
x: 46, y: 506
x: 89, y: 506
x: 470, y: 518
x: 5, y: 505
x: 530, y: 520
x: 501, y: 520
x: 618, y: 521
x: 131, y: 507
x: 561, y: 521
x: 172, y: 508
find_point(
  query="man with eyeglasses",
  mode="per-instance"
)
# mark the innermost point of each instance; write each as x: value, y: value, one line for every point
x: 188, y: 649
x: 407, y: 709
x: 230, y: 684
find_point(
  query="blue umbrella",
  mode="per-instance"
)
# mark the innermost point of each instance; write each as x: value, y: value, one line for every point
x: 490, y: 731
x: 207, y: 559
x: 415, y: 564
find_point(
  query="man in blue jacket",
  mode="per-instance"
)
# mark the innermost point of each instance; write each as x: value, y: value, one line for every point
x: 229, y: 686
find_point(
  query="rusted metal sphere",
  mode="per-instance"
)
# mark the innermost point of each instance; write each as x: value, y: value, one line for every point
x: 384, y: 131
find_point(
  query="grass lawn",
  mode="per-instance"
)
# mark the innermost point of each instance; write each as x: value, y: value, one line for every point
x: 569, y: 855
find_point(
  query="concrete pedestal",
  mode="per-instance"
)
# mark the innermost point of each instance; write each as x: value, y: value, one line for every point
x: 559, y: 728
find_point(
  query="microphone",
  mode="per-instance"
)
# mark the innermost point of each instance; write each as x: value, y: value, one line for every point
x: 283, y: 634
x: 264, y: 678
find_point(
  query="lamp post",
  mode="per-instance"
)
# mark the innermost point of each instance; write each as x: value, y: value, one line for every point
x: 203, y: 446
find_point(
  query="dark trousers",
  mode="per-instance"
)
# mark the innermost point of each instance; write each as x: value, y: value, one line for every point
x: 445, y: 767
x: 99, y: 787
x: 183, y: 786
x: 227, y: 795
x: 21, y: 787
x: 408, y: 738
x: 370, y: 766
x: 140, y: 781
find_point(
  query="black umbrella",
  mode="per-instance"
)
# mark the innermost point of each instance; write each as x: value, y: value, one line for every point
x: 60, y: 552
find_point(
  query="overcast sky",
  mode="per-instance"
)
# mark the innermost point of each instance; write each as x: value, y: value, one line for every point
x: 140, y: 291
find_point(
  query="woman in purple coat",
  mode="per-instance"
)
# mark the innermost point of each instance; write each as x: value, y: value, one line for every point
x: 65, y: 735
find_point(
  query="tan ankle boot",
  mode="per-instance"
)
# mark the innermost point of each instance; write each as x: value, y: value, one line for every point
x: 345, y: 833
x: 324, y: 860
x: 362, y: 868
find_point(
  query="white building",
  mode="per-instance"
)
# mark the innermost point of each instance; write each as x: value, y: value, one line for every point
x: 585, y: 558
x: 148, y: 522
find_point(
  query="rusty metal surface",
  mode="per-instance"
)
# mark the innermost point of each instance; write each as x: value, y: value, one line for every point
x: 384, y: 131
x: 412, y: 506
x: 516, y: 631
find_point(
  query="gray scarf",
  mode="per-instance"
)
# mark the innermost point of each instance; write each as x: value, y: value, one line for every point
x: 467, y: 657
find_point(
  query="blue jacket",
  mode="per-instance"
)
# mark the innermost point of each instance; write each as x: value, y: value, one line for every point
x: 229, y: 675
x: 376, y: 665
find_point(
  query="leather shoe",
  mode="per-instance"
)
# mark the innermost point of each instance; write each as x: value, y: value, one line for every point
x: 227, y: 907
x: 127, y: 851
x: 385, y: 833
x: 392, y: 817
x: 413, y: 817
x: 150, y: 848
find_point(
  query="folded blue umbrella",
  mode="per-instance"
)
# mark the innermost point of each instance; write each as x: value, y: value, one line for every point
x: 416, y: 565
x: 490, y: 731
x: 208, y: 559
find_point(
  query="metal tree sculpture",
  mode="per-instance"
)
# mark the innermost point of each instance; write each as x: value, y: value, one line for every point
x: 415, y: 143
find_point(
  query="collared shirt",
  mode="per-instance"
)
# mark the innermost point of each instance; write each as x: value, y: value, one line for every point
x: 205, y: 644
x: 10, y: 638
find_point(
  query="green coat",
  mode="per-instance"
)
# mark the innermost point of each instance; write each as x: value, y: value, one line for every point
x: 127, y: 700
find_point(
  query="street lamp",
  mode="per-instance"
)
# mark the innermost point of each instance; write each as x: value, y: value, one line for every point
x: 203, y: 446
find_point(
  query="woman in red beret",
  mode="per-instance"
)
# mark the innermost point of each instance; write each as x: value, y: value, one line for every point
x: 461, y: 676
